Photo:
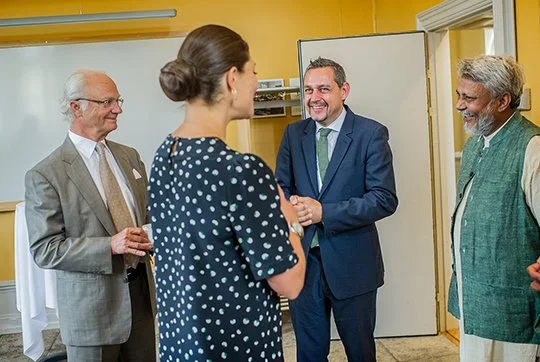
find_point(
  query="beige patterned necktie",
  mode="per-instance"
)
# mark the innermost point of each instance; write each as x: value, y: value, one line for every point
x: 116, y: 203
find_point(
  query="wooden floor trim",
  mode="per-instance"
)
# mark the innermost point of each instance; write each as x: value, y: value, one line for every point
x: 453, y: 335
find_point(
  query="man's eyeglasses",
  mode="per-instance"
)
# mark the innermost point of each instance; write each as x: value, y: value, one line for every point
x: 109, y: 102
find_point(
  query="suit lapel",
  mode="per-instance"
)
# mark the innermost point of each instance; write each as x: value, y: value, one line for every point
x: 78, y: 173
x: 127, y: 169
x: 308, y: 147
x: 340, y: 150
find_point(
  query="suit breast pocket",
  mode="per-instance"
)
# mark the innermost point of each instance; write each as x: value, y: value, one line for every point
x: 349, y: 179
x: 348, y: 165
x: 350, y: 170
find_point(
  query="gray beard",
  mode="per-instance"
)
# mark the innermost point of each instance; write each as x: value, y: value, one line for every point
x: 483, y: 125
x: 484, y: 122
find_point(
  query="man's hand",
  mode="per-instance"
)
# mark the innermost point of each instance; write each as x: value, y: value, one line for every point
x: 131, y: 241
x: 286, y: 207
x: 534, y: 272
x: 309, y: 210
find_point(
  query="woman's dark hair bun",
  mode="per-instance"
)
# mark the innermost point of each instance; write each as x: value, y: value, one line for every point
x: 179, y: 81
x: 205, y: 56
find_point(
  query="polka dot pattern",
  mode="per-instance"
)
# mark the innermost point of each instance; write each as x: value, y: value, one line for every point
x: 218, y: 234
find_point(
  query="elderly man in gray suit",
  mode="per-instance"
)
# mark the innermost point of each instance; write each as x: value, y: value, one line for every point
x: 85, y: 203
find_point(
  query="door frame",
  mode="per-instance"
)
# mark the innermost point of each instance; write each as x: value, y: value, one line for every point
x: 437, y: 21
x: 451, y: 14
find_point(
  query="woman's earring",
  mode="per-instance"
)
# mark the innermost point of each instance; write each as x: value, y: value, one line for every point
x: 233, y: 91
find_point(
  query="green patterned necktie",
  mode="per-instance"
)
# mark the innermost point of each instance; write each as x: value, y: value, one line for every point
x: 323, y: 160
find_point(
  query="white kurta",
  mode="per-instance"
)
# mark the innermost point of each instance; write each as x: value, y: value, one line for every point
x: 474, y: 348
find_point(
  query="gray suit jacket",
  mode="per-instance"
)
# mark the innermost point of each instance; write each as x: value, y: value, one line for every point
x: 70, y: 230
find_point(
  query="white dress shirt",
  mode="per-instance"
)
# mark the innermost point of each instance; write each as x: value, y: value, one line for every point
x: 332, y: 138
x: 87, y: 149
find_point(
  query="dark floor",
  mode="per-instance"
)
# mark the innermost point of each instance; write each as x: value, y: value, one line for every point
x: 11, y: 349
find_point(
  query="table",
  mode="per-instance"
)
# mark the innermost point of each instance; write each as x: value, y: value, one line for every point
x: 36, y: 290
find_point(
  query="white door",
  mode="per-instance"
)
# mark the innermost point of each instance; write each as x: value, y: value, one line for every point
x: 388, y: 81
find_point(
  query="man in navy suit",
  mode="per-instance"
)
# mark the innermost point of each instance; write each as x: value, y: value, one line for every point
x: 336, y: 168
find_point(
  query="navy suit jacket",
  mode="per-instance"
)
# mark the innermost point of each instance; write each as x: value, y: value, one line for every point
x: 358, y: 189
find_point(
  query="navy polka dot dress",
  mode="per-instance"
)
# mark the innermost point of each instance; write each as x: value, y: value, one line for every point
x: 218, y: 233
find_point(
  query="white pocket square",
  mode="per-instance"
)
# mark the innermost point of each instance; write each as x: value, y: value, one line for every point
x: 136, y: 174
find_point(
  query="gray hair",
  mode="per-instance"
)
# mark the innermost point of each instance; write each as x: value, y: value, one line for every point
x: 339, y: 72
x: 498, y: 74
x: 74, y: 88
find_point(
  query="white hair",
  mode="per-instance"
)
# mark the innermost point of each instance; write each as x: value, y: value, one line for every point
x: 75, y: 88
x: 498, y: 74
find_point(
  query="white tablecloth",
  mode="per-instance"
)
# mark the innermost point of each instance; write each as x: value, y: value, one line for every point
x: 36, y: 290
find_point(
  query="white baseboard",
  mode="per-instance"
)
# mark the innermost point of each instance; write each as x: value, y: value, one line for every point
x: 10, y: 318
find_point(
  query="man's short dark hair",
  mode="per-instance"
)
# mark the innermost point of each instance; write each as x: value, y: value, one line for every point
x: 339, y: 72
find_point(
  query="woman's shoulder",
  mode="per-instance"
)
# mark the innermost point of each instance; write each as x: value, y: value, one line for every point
x: 249, y: 161
x: 249, y: 169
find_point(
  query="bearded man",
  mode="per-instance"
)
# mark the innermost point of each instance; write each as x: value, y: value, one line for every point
x: 495, y: 226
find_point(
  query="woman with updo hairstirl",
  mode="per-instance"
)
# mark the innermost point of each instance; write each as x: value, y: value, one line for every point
x: 224, y: 250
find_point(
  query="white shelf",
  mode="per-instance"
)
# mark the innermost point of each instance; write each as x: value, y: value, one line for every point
x: 281, y: 102
x: 279, y: 90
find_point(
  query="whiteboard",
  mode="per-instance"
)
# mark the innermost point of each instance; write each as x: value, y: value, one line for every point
x: 387, y: 74
x: 31, y: 125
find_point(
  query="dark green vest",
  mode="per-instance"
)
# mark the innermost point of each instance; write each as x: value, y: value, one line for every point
x: 499, y: 239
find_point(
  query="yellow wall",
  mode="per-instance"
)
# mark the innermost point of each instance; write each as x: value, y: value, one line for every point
x: 7, y: 266
x: 393, y: 16
x: 463, y: 44
x: 528, y: 51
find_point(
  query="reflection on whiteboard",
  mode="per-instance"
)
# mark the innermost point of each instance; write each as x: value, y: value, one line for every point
x: 31, y: 125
